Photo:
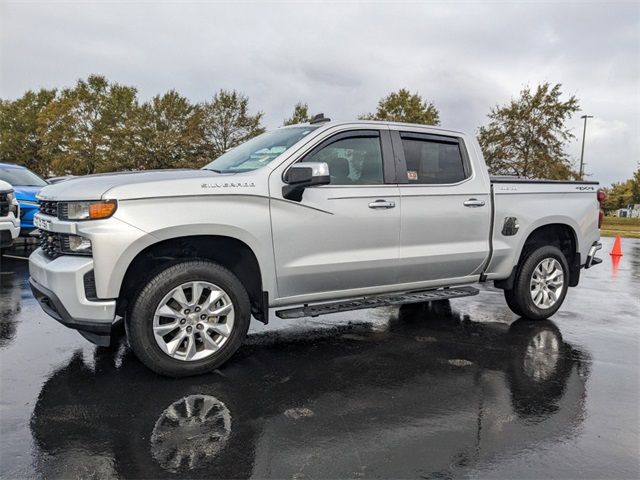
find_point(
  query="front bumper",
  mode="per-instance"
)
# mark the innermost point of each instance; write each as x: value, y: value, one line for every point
x: 9, y: 231
x: 58, y: 285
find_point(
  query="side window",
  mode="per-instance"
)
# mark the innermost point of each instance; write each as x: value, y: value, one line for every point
x: 352, y: 160
x: 433, y: 161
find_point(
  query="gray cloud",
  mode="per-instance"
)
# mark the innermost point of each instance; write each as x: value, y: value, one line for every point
x: 341, y: 58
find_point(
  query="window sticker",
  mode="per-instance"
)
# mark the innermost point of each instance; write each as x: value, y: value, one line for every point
x: 412, y: 175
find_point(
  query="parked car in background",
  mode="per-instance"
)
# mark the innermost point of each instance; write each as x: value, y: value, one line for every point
x: 9, y: 215
x: 26, y: 185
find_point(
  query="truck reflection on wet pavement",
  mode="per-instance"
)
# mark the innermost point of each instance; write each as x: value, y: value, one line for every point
x: 432, y: 390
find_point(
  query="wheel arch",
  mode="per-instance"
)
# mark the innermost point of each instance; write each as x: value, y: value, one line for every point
x: 561, y: 233
x: 229, y: 251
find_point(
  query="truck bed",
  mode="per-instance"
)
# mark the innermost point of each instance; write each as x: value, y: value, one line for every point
x: 537, y: 202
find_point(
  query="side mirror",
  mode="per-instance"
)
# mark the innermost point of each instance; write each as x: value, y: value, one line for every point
x: 303, y: 175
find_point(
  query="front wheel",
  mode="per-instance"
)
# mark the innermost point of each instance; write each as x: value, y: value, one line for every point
x: 540, y: 285
x: 189, y: 319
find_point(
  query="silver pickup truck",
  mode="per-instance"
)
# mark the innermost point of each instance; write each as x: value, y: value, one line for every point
x: 306, y: 220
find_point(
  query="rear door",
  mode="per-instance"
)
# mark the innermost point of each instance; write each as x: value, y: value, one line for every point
x: 341, y: 237
x: 446, y: 208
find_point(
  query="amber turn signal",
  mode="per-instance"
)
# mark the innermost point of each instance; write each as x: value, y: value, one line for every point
x: 101, y: 209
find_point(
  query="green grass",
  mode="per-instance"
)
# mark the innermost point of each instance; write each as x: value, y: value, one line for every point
x: 625, y: 227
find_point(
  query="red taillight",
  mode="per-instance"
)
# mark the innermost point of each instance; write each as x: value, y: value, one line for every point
x: 601, y: 198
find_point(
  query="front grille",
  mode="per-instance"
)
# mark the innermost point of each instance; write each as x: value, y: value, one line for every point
x: 63, y: 210
x: 4, y: 204
x: 53, y: 244
x: 49, y: 207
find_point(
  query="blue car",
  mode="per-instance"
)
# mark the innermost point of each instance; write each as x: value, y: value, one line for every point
x: 26, y: 185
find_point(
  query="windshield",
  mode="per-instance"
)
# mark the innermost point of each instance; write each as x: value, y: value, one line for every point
x: 258, y: 151
x: 21, y: 177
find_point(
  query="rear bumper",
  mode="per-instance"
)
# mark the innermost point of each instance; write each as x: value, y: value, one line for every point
x: 58, y: 285
x: 591, y: 256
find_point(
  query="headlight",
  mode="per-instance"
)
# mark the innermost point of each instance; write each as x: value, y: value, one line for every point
x: 11, y: 197
x: 87, y: 210
x: 79, y: 245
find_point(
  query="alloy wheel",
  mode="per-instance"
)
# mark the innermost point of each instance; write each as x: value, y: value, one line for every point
x: 193, y: 321
x: 547, y: 283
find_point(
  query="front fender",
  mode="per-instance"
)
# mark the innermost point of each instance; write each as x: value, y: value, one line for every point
x: 245, y: 218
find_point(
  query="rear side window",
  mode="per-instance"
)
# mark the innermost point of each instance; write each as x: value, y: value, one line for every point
x: 433, y: 161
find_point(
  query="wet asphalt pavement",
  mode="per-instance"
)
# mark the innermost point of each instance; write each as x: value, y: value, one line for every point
x: 459, y: 389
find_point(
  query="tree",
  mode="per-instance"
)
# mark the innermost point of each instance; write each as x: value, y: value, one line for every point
x: 84, y: 131
x: 227, y: 123
x: 621, y: 194
x: 166, y: 132
x: 19, y: 139
x: 403, y: 106
x: 528, y: 136
x: 300, y: 114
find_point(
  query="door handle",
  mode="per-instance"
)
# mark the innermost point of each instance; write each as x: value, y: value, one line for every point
x: 473, y: 203
x: 382, y: 204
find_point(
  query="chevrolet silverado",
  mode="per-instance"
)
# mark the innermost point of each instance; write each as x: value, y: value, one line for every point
x: 305, y: 220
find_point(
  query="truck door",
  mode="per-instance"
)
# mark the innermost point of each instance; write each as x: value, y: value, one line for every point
x: 343, y: 236
x: 446, y: 208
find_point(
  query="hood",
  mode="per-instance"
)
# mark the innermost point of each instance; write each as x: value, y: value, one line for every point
x: 26, y: 192
x: 133, y: 185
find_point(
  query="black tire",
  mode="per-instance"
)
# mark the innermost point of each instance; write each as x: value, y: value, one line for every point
x: 519, y: 297
x: 140, y: 319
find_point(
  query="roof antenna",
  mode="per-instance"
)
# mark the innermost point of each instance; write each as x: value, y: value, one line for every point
x: 319, y: 118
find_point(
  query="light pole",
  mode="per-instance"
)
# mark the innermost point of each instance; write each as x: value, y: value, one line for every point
x: 584, y: 133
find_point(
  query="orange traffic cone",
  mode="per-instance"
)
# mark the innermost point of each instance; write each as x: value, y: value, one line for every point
x: 616, y: 251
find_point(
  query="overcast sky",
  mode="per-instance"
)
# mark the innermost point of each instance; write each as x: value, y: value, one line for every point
x: 342, y: 57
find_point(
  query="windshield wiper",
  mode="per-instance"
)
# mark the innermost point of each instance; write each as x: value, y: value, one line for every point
x: 213, y: 170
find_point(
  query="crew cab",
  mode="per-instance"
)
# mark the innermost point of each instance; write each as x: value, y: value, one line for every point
x: 304, y: 220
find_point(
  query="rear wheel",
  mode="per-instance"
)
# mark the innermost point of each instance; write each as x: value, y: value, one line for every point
x: 540, y: 285
x: 189, y: 319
